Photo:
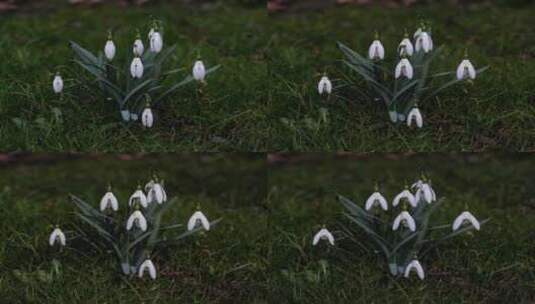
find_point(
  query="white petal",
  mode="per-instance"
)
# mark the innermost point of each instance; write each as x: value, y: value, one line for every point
x: 199, y: 71
x: 109, y: 200
x: 417, y: 266
x: 138, y: 196
x: 195, y: 218
x: 147, y: 265
x: 323, y: 234
x: 416, y: 115
x: 138, y: 47
x: 57, y: 84
x: 109, y: 50
x: 405, y: 194
x: 147, y: 119
x: 465, y: 216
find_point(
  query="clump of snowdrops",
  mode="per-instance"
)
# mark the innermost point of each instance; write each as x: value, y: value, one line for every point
x: 410, y: 82
x: 139, y: 82
x: 134, y: 231
x: 403, y: 231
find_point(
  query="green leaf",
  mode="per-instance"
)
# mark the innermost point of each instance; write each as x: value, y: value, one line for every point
x: 374, y: 236
x: 136, y: 90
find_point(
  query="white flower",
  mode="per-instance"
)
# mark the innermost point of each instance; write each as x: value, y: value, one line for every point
x: 137, y: 219
x: 406, y: 219
x: 424, y: 190
x: 414, y: 264
x: 139, y: 197
x: 109, y: 50
x: 147, y: 265
x: 57, y: 235
x: 199, y: 71
x: 415, y: 114
x: 405, y: 194
x: 57, y: 84
x: 136, y: 68
x: 465, y: 217
x: 196, y: 219
x: 325, y: 86
x: 466, y: 70
x: 156, y: 194
x: 147, y: 119
x: 156, y: 42
x: 138, y: 47
x: 406, y: 48
x: 376, y: 199
x: 323, y: 234
x: 404, y: 68
x: 376, y: 51
x: 424, y: 42
x: 109, y: 200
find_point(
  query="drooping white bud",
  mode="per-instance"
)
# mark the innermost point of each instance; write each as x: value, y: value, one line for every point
x: 156, y: 42
x: 138, y: 48
x: 136, y: 68
x: 57, y: 84
x: 109, y: 50
x: 199, y: 71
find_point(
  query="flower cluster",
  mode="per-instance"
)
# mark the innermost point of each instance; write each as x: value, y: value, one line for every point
x: 408, y: 227
x: 145, y: 77
x: 407, y: 84
x: 134, y: 241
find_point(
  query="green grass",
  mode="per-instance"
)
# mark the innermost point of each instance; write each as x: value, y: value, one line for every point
x: 494, y: 265
x: 232, y: 116
x: 497, y: 112
x: 225, y: 265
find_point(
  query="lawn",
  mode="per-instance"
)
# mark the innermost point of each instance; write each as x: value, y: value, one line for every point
x: 225, y: 265
x: 497, y: 112
x: 494, y: 265
x: 229, y: 117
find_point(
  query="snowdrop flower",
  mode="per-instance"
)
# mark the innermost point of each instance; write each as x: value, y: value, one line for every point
x: 376, y: 50
x: 414, y: 264
x: 138, y: 47
x: 404, y: 68
x: 57, y: 236
x: 466, y: 70
x: 407, y: 195
x: 196, y: 219
x: 136, y: 68
x: 465, y: 217
x: 405, y: 47
x: 57, y: 84
x: 424, y: 190
x: 147, y: 265
x: 325, y: 86
x: 138, y: 197
x: 406, y: 219
x: 323, y: 234
x: 376, y: 199
x: 415, y: 114
x: 147, y: 119
x: 156, y: 41
x: 198, y: 71
x: 109, y: 201
x: 424, y: 42
x: 136, y: 219
x: 156, y: 194
x: 109, y: 48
